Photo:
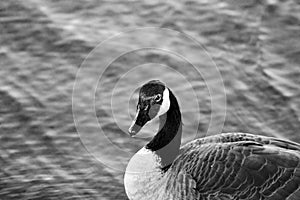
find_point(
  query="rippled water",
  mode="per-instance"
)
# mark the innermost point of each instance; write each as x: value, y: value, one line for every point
x: 255, y: 45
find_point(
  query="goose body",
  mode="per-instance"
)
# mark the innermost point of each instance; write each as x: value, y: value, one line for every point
x: 228, y: 166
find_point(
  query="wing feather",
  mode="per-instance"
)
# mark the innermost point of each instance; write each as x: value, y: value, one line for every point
x: 241, y: 166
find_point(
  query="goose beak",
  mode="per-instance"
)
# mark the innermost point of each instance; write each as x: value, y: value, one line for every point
x: 134, y: 129
x: 141, y: 118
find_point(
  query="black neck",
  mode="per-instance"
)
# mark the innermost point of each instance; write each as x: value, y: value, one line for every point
x: 171, y: 122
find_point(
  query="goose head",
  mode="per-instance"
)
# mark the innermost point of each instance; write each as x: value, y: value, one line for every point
x: 154, y: 101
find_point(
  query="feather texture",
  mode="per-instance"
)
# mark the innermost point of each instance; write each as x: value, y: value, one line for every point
x: 238, y: 166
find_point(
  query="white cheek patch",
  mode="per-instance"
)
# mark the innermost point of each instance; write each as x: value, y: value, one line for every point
x: 165, y: 103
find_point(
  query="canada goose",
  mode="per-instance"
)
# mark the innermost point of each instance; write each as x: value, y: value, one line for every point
x: 221, y: 167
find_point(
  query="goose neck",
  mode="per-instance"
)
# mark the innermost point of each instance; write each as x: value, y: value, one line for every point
x: 166, y: 143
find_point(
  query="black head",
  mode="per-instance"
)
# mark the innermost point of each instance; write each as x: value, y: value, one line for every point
x: 153, y: 102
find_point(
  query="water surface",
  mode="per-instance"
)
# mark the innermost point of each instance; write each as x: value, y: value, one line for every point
x: 255, y: 45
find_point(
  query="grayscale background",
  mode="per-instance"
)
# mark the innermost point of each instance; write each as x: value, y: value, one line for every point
x: 255, y: 44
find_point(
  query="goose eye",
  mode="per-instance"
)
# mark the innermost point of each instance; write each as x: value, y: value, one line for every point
x: 157, y: 98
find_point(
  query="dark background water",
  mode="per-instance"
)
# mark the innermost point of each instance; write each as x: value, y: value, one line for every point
x: 255, y: 44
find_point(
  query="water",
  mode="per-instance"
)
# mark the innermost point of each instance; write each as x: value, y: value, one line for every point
x: 255, y: 45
